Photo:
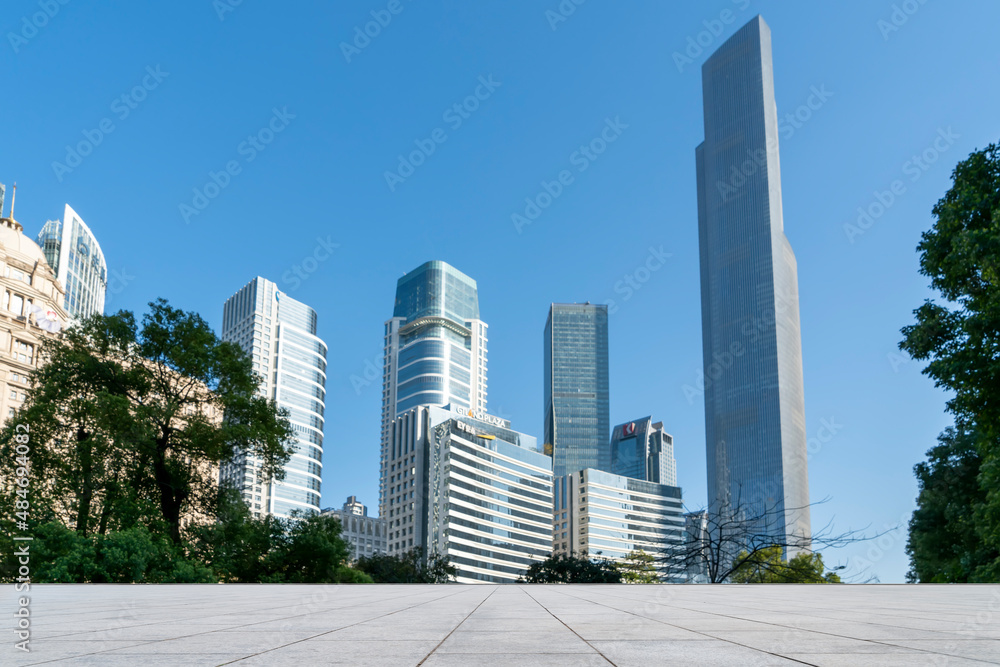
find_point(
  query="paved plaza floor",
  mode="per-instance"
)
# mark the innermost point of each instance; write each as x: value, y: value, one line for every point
x: 517, y: 625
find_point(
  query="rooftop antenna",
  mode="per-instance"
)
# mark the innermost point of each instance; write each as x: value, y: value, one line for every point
x: 13, y: 198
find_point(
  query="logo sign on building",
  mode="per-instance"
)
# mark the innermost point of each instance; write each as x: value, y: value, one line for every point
x: 628, y: 429
x: 483, y: 417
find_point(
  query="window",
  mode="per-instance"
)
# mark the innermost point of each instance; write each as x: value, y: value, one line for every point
x: 13, y: 393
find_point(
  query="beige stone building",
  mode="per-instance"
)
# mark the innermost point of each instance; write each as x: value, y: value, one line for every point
x: 31, y: 309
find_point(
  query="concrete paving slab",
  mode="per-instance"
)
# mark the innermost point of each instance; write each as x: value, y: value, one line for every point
x: 522, y: 625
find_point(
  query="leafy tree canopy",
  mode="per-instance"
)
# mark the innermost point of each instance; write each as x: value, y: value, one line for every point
x: 572, y: 569
x: 959, y: 337
x: 768, y: 566
x: 408, y: 568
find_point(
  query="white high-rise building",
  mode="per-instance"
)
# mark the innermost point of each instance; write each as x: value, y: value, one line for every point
x: 75, y: 255
x: 435, y: 350
x: 279, y: 334
x: 465, y: 486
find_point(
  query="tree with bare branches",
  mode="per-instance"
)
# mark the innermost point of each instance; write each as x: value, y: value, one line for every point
x: 736, y: 537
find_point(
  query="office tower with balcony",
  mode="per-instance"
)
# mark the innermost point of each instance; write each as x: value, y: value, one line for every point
x: 73, y: 252
x: 435, y: 350
x: 279, y: 335
x: 752, y: 352
x: 577, y: 417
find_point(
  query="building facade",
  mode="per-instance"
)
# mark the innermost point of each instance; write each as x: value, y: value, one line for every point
x: 598, y: 514
x: 577, y: 414
x: 754, y: 406
x: 642, y: 450
x: 366, y: 534
x: 435, y: 349
x: 465, y: 486
x: 279, y: 335
x: 31, y: 311
x: 73, y: 252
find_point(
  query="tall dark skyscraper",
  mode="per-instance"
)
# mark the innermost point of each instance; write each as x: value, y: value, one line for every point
x: 577, y: 420
x: 754, y: 407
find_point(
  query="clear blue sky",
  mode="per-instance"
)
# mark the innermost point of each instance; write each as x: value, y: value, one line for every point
x: 323, y: 177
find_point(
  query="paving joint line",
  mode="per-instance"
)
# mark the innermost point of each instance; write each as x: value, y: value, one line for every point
x: 433, y: 650
x: 247, y: 625
x: 787, y: 627
x: 597, y: 650
x: 728, y: 641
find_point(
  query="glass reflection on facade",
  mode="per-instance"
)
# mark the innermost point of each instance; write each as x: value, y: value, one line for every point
x: 598, y: 514
x: 577, y: 418
x: 72, y: 251
x: 435, y: 348
x: 754, y: 407
x: 279, y: 335
x: 643, y: 450
x: 473, y: 491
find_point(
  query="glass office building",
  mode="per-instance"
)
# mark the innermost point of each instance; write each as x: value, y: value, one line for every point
x: 642, y: 450
x: 279, y: 334
x: 462, y: 484
x: 754, y: 406
x: 435, y: 349
x: 598, y: 514
x: 73, y: 252
x: 577, y: 418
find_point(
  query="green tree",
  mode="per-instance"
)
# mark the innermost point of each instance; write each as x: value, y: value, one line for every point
x: 304, y: 549
x: 407, y: 568
x: 960, y: 340
x: 236, y: 545
x: 768, y: 566
x: 572, y: 569
x: 135, y: 555
x: 638, y: 568
x: 944, y: 544
x: 310, y: 550
x: 127, y: 423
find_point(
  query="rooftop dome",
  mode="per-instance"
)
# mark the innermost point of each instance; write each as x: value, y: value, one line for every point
x: 13, y: 240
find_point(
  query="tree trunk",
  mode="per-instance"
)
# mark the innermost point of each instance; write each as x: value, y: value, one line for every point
x: 171, y: 497
x: 86, y: 497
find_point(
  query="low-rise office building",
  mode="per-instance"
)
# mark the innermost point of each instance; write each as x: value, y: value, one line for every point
x: 366, y: 534
x: 598, y: 514
x: 464, y: 485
